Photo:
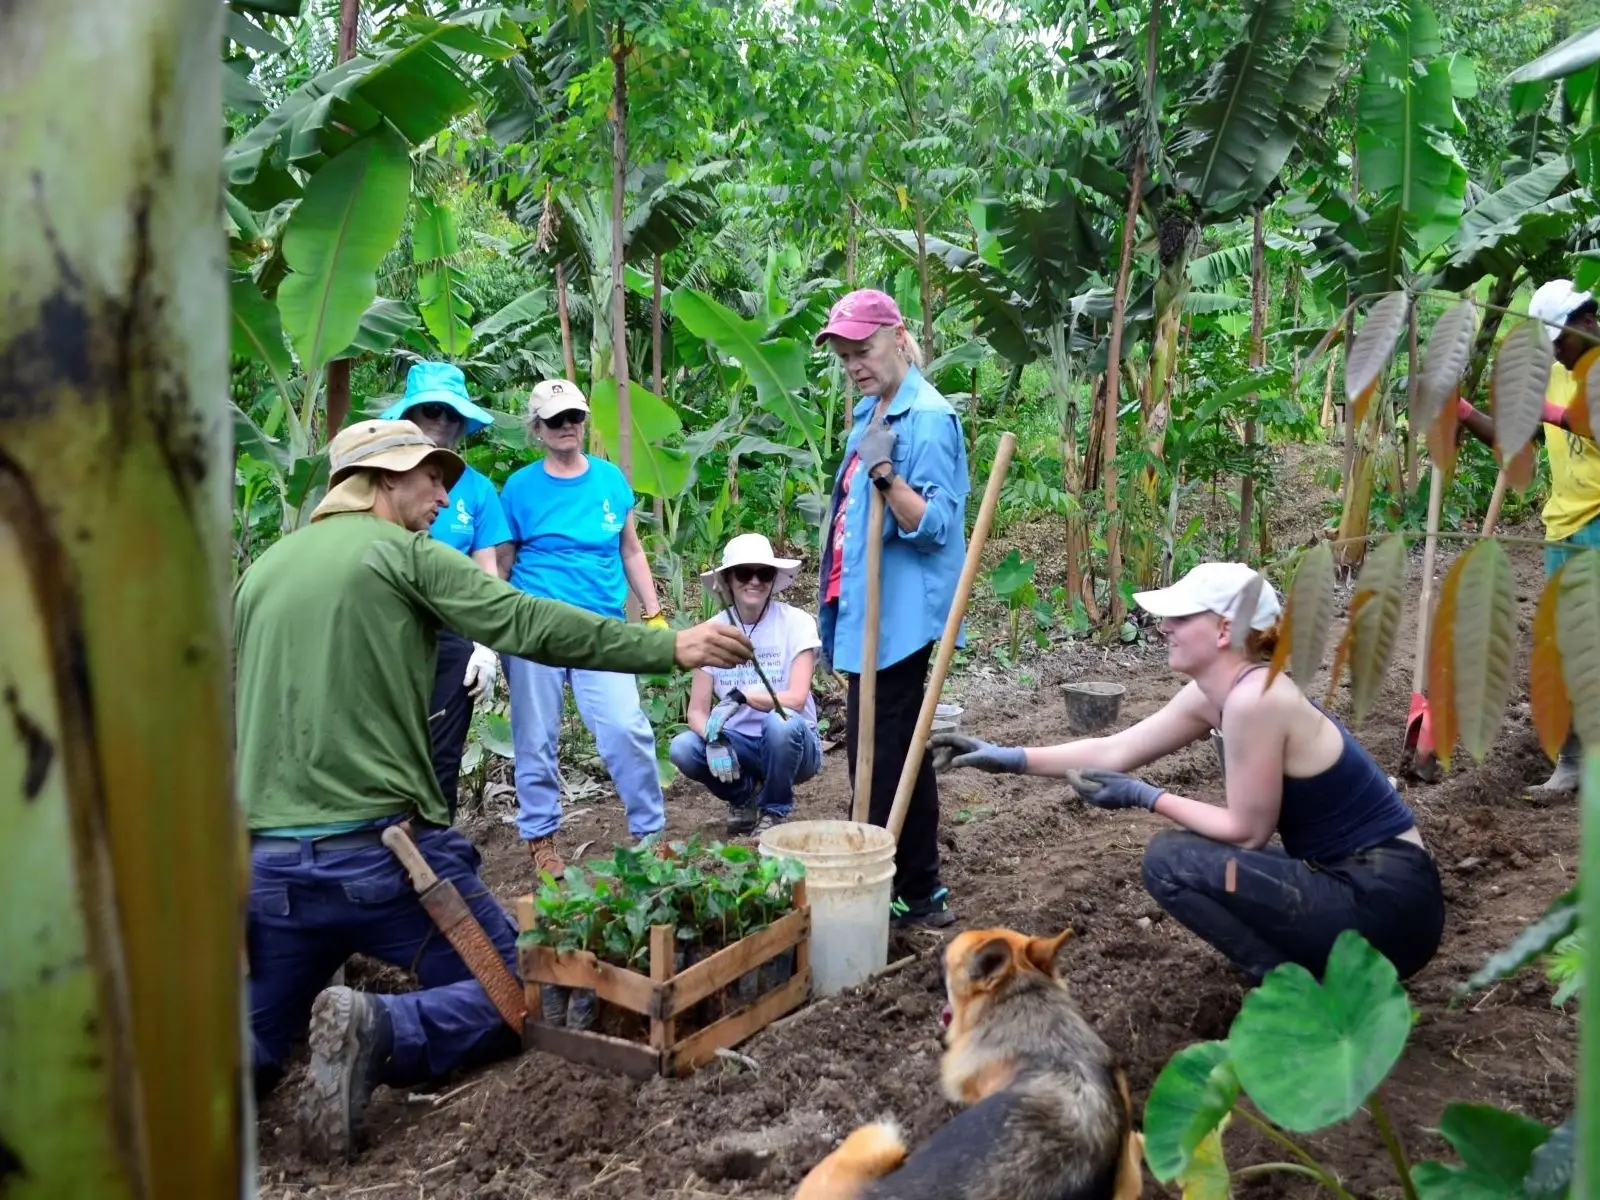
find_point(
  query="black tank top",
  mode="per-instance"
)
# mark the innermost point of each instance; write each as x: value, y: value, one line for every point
x: 1346, y: 808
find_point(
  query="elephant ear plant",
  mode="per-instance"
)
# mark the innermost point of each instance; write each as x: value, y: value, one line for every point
x: 712, y: 894
x: 1302, y: 1056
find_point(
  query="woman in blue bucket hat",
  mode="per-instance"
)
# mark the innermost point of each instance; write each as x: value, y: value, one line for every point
x: 436, y: 401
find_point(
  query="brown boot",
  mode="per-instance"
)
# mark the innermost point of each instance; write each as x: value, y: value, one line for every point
x: 546, y: 857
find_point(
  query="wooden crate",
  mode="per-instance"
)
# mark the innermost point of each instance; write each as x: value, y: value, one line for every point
x: 664, y: 995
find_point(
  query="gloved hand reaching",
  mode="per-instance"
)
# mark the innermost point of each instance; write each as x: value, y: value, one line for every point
x: 720, y: 759
x: 726, y: 707
x: 1113, y: 789
x: 876, y: 446
x: 959, y: 750
x: 483, y: 668
x: 658, y: 621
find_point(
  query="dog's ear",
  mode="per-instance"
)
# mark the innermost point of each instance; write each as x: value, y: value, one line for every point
x: 1042, y: 952
x: 989, y: 961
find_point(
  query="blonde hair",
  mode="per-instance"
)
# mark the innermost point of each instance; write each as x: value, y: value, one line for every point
x: 908, y: 342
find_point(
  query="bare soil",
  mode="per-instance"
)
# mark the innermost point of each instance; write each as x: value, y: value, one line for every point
x: 1026, y: 854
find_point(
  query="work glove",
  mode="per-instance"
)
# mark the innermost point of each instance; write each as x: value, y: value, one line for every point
x: 876, y: 446
x: 482, y: 670
x: 1113, y: 789
x: 726, y: 707
x: 959, y: 750
x: 659, y: 621
x: 722, y: 762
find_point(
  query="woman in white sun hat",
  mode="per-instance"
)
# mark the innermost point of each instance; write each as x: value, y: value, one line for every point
x: 736, y: 743
x: 1351, y: 856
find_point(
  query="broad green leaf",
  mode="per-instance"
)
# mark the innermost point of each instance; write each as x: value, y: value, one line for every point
x: 963, y: 358
x: 247, y: 33
x: 1550, y: 1175
x: 1372, y: 349
x: 657, y: 470
x: 335, y: 241
x: 1571, y: 56
x: 1310, y: 1054
x: 1444, y: 362
x: 282, y: 8
x: 1375, y: 620
x: 1311, y: 595
x: 1011, y: 574
x: 1207, y: 1177
x: 1484, y: 637
x: 1496, y: 1150
x: 248, y: 438
x: 1521, y: 377
x: 1578, y: 635
x: 1304, y: 98
x: 257, y: 332
x: 1193, y: 1094
x: 1556, y: 922
x: 1547, y: 689
x: 434, y: 243
x: 528, y: 307
x: 497, y: 735
x: 776, y: 368
x: 384, y: 324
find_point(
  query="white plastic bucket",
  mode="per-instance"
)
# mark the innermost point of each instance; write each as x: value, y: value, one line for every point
x: 946, y: 718
x: 849, y: 881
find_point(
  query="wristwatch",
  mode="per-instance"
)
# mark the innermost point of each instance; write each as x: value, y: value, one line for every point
x: 882, y: 482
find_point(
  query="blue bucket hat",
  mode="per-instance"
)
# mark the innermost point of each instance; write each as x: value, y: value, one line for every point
x: 438, y: 383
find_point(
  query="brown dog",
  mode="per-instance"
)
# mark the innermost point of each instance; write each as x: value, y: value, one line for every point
x: 1048, y: 1115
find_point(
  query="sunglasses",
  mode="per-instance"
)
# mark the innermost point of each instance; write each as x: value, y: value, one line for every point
x: 573, y: 416
x: 760, y: 574
x: 434, y: 411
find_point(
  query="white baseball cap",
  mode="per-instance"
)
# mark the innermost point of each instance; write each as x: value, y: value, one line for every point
x: 552, y: 396
x: 1212, y: 587
x: 1554, y: 303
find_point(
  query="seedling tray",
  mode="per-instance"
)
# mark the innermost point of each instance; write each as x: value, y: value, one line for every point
x: 666, y: 995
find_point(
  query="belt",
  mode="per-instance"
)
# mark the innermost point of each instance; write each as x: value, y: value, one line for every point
x: 356, y: 839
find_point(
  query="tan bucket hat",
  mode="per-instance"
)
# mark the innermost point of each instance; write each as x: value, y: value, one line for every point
x: 750, y: 549
x: 377, y: 446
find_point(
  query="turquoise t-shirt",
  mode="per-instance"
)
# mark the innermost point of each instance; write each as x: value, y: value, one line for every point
x: 569, y: 534
x: 474, y: 519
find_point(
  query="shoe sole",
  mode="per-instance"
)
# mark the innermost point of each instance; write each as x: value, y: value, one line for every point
x: 326, y: 1125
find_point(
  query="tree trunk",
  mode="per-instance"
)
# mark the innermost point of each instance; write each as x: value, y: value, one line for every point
x: 1500, y: 295
x: 655, y: 352
x: 121, y: 1039
x: 1412, y: 383
x: 850, y: 243
x: 1119, y: 310
x: 568, y: 358
x: 619, y: 288
x: 1258, y: 358
x: 924, y: 281
x: 337, y: 396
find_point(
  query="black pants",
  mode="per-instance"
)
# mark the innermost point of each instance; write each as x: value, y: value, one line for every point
x: 450, y: 713
x: 1286, y: 909
x: 900, y: 689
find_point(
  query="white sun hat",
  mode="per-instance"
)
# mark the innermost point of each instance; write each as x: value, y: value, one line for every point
x: 750, y: 550
x: 1554, y: 303
x: 1213, y: 587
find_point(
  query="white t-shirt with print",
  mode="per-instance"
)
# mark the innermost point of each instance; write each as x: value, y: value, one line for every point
x: 782, y: 635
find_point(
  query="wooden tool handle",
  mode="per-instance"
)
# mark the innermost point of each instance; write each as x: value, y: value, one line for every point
x: 403, y: 848
x: 1492, y: 517
x: 952, y: 627
x: 867, y: 697
x: 1419, y: 671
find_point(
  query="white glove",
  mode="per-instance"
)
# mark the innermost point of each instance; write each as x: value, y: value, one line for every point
x: 482, y: 670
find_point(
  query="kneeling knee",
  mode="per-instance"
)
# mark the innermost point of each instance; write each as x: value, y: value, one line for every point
x: 687, y: 748
x: 1169, y: 861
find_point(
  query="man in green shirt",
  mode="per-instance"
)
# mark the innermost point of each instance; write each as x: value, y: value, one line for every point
x: 334, y: 637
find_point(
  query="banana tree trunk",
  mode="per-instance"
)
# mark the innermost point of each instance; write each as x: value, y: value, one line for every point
x: 619, y: 289
x: 655, y: 352
x: 337, y: 394
x: 122, y: 1042
x: 568, y: 358
x: 1119, y: 312
x: 1258, y: 357
x: 1172, y: 288
x: 1500, y: 295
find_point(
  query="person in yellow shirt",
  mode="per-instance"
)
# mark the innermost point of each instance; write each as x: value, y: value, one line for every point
x: 1572, y: 514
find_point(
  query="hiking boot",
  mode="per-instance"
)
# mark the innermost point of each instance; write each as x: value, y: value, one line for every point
x: 766, y: 821
x: 933, y: 912
x: 351, y: 1040
x: 1566, y: 778
x: 742, y: 820
x: 546, y: 857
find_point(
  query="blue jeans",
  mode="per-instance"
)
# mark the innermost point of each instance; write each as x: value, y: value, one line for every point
x: 1586, y: 537
x: 310, y: 909
x: 787, y: 752
x: 609, y: 705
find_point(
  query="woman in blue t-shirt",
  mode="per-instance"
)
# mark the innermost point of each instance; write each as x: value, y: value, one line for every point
x: 1351, y: 856
x: 572, y: 526
x: 436, y: 401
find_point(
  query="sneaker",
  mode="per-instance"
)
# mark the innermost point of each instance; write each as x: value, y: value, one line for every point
x: 934, y: 912
x: 766, y: 821
x: 546, y: 857
x: 351, y: 1039
x: 742, y: 819
x: 1565, y: 779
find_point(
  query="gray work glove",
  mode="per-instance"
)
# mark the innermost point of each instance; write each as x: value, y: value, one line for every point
x: 1113, y: 789
x: 959, y: 750
x: 726, y: 707
x: 876, y: 446
x: 722, y: 762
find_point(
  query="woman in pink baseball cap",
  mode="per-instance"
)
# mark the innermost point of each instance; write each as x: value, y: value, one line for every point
x: 906, y: 441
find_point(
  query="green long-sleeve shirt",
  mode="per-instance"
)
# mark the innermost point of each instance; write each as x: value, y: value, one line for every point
x: 334, y: 645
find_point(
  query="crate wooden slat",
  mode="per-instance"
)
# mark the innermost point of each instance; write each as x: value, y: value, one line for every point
x: 665, y: 995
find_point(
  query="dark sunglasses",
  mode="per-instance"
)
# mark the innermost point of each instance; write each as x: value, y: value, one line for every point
x: 573, y: 416
x: 434, y: 411
x: 761, y: 574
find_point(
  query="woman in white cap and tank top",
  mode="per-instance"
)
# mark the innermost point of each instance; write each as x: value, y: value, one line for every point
x: 736, y: 743
x: 1351, y: 856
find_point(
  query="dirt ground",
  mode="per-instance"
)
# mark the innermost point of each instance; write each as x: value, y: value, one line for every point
x: 1022, y: 853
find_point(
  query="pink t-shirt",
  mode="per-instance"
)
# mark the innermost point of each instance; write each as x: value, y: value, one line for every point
x: 836, y: 569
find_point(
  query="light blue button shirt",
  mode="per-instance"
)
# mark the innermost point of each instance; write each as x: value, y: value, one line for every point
x: 920, y: 567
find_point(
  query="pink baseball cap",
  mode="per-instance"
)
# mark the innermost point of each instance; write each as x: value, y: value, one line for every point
x: 859, y: 315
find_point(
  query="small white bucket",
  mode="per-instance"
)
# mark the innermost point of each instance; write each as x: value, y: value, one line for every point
x: 946, y: 718
x: 849, y: 881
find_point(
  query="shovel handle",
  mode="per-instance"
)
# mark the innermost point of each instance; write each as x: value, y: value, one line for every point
x: 403, y: 848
